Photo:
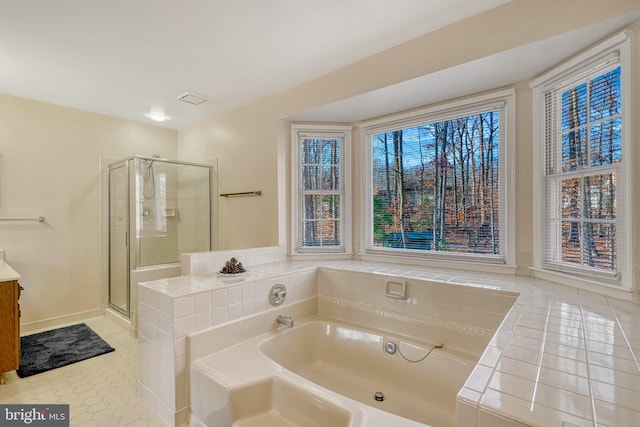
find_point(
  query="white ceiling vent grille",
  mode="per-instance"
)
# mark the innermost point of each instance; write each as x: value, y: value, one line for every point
x: 192, y: 98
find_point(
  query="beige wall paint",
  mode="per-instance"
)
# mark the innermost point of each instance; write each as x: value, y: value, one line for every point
x: 248, y: 161
x: 49, y: 166
x: 524, y: 179
x: 249, y: 142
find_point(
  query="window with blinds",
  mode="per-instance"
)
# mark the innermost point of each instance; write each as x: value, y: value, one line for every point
x: 437, y: 184
x: 320, y: 190
x: 583, y: 153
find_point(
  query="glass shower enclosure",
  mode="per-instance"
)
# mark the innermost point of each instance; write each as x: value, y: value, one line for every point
x: 157, y: 210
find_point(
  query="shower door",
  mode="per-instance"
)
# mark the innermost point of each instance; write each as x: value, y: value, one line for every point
x: 119, y: 238
x: 158, y: 209
x: 173, y: 210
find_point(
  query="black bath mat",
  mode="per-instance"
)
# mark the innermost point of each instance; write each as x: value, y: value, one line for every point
x: 59, y: 347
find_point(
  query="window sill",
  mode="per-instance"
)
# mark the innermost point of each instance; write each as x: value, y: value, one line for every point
x: 485, y: 267
x: 320, y: 256
x: 600, y: 287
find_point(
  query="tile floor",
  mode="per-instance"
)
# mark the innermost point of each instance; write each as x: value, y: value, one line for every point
x: 100, y: 391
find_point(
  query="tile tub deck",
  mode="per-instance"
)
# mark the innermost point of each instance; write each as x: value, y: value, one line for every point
x: 561, y: 356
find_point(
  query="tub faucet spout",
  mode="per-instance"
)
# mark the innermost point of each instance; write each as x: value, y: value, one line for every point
x: 285, y: 320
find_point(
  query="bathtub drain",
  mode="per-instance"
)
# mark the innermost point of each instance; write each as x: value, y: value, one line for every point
x: 378, y: 396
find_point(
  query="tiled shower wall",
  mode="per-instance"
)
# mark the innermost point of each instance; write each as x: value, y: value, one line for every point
x: 194, y: 207
x: 159, y: 233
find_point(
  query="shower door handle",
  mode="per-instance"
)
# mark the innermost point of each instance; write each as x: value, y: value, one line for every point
x: 126, y: 239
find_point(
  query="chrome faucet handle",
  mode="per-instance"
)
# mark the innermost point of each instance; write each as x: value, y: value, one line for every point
x: 277, y: 294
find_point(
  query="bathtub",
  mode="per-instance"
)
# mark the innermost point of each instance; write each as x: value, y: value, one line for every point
x: 332, y: 366
x: 355, y: 363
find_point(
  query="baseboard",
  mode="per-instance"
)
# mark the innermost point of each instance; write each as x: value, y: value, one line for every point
x: 54, y: 322
x: 121, y: 321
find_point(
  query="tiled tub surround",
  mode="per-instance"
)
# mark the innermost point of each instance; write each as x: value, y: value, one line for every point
x: 464, y: 318
x: 433, y: 312
x: 205, y: 263
x: 171, y: 309
x: 561, y: 357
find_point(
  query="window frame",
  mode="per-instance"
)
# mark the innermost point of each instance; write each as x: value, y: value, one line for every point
x: 505, y: 100
x: 321, y: 131
x: 614, y: 50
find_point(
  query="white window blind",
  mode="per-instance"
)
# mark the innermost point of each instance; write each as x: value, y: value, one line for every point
x: 320, y: 212
x: 583, y: 153
x: 438, y: 184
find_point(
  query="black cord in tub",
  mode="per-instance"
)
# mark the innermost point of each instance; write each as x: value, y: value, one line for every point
x: 438, y: 345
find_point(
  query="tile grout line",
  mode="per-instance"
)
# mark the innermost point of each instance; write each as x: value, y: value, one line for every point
x: 586, y: 355
x: 624, y: 335
x: 542, y: 347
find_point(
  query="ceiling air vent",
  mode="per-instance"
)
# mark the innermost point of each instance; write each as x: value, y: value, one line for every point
x: 192, y: 98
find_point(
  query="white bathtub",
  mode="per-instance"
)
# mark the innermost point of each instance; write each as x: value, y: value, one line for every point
x: 354, y: 363
x: 340, y: 365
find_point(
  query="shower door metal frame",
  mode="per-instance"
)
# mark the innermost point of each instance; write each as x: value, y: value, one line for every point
x: 126, y: 238
x: 132, y: 240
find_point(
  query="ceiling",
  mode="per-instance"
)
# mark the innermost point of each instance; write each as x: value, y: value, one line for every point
x: 131, y: 58
x: 503, y: 69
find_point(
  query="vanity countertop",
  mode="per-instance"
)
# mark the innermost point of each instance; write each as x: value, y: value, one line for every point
x: 7, y: 273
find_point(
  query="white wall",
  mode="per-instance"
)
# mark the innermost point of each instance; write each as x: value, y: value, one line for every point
x: 49, y: 166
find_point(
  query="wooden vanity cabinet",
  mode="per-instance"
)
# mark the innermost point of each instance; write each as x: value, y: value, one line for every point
x: 9, y: 327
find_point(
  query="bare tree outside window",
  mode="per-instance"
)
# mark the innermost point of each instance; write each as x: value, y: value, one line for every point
x: 320, y: 188
x: 436, y: 186
x: 591, y: 146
